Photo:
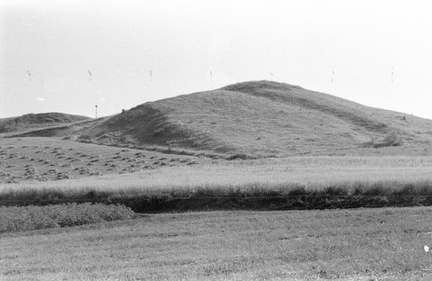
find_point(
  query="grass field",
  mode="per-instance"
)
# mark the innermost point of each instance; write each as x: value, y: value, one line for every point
x: 61, y: 215
x: 260, y: 184
x: 366, y: 244
x: 174, y: 160
x: 48, y: 159
x: 311, y: 172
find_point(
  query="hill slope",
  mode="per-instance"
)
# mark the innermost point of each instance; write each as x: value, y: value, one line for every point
x: 34, y: 121
x: 260, y: 118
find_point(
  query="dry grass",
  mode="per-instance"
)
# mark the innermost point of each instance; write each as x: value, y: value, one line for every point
x: 239, y: 122
x: 274, y: 182
x: 47, y: 159
x: 261, y: 118
x: 369, y: 244
x: 308, y: 171
x: 62, y: 215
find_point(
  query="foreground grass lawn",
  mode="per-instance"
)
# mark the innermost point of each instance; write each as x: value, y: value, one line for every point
x: 382, y: 244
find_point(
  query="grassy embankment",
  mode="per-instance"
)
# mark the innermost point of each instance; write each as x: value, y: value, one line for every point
x: 271, y: 184
x: 357, y: 245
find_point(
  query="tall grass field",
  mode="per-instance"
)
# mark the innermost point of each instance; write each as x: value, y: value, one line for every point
x: 267, y: 184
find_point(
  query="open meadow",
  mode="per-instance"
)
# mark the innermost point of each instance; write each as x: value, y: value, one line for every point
x: 338, y: 244
x: 253, y: 181
x: 267, y: 184
x: 357, y: 244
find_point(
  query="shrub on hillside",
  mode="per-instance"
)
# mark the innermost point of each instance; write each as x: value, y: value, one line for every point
x: 391, y: 139
x: 51, y: 216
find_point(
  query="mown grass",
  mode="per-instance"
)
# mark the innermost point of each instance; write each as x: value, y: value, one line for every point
x: 271, y: 184
x: 46, y: 159
x: 52, y: 216
x: 361, y: 244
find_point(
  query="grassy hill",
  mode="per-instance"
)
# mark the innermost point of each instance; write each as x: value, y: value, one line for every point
x: 35, y: 121
x: 41, y: 163
x: 245, y: 120
x: 265, y: 118
x: 258, y: 118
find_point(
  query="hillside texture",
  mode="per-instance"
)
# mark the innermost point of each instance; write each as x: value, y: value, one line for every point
x: 264, y: 118
x: 259, y: 118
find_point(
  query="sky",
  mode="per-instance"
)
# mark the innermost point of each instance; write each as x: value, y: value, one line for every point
x: 69, y: 56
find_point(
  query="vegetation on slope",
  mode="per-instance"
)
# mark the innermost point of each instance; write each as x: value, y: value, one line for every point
x: 261, y: 118
x: 256, y: 119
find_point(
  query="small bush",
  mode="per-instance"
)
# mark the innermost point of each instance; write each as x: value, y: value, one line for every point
x: 242, y: 156
x: 51, y: 216
x: 391, y: 139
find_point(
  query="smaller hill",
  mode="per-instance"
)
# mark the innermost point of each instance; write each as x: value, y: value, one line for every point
x: 35, y: 121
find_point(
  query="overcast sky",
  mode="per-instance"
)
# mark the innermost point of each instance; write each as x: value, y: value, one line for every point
x: 68, y: 56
